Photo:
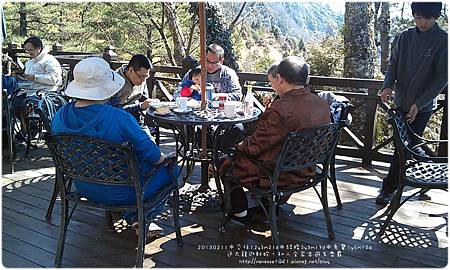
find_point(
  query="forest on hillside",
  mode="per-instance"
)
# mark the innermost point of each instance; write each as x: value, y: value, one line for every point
x: 254, y: 34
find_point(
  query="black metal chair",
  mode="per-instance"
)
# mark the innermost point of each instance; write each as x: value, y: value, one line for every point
x: 343, y: 121
x: 81, y: 158
x: 416, y: 169
x: 303, y: 149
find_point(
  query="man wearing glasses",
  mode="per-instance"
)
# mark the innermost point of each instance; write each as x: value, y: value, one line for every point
x: 223, y: 78
x: 132, y: 97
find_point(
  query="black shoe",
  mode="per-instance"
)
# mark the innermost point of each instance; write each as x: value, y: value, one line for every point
x: 384, y: 198
x: 252, y: 223
x: 243, y: 220
x: 423, y: 197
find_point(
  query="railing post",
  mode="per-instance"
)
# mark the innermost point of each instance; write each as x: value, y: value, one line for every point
x: 369, y: 126
x: 109, y: 55
x: 56, y: 48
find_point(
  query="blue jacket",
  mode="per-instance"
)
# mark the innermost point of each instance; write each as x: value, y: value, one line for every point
x: 115, y: 125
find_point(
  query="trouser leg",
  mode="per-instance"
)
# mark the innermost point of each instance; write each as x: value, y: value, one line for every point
x: 239, y: 202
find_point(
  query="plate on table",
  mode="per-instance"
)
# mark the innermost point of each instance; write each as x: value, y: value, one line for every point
x: 162, y: 104
x: 162, y: 113
x: 177, y: 110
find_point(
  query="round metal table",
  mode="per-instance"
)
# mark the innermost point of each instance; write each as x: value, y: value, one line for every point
x: 183, y: 125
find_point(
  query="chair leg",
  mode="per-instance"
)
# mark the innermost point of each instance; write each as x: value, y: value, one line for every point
x: 141, y: 238
x: 274, y: 228
x: 65, y: 218
x: 333, y: 181
x: 392, y: 209
x: 28, y: 139
x: 226, y: 206
x: 326, y: 210
x: 52, y: 200
x: 109, y: 219
x: 158, y: 135
x: 176, y: 217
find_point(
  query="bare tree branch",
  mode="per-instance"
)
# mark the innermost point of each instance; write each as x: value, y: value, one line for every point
x: 160, y: 29
x: 233, y: 23
x: 191, y: 33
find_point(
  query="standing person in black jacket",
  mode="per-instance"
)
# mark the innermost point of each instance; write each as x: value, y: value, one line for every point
x: 418, y: 69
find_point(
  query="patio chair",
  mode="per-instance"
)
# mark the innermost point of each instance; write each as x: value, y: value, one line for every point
x: 302, y: 149
x: 417, y: 169
x: 340, y: 115
x: 96, y: 161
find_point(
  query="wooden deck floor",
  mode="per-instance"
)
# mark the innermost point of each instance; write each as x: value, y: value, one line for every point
x: 414, y: 239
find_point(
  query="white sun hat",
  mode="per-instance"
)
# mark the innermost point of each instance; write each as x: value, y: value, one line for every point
x: 94, y: 80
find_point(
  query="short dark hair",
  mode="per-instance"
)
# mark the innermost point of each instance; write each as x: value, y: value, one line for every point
x: 193, y: 72
x: 273, y: 69
x: 35, y: 41
x: 139, y: 61
x: 216, y: 49
x: 294, y: 70
x: 426, y: 9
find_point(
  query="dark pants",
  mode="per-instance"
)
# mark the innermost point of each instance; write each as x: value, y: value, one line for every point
x: 229, y: 137
x: 390, y: 183
x: 235, y: 192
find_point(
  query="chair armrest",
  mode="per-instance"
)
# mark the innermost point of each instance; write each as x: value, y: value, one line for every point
x: 169, y: 159
x: 232, y: 152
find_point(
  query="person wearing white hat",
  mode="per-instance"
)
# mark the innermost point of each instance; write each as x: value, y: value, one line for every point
x: 94, y: 83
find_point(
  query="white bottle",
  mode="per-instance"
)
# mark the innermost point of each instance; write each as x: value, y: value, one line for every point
x: 248, y: 102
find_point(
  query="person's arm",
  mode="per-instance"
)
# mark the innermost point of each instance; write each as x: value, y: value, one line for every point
x: 270, y: 132
x: 391, y: 72
x: 146, y: 150
x: 177, y: 91
x: 230, y: 83
x: 440, y: 80
x: 52, y: 74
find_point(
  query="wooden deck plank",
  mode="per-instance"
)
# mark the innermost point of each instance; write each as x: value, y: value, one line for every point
x: 90, y: 243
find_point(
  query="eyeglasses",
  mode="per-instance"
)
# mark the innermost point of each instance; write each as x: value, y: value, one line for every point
x: 142, y: 77
x: 212, y: 63
x: 31, y: 50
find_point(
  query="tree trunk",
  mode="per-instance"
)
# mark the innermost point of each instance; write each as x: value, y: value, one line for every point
x: 359, y: 42
x: 179, y: 50
x: 385, y: 27
x: 359, y: 59
x: 23, y: 20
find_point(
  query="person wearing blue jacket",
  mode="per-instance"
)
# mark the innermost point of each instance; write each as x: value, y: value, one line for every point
x: 94, y: 83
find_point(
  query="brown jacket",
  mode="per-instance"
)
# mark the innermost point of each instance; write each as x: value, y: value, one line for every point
x: 294, y: 111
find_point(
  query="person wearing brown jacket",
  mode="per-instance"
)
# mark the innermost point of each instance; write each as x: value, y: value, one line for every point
x: 296, y: 109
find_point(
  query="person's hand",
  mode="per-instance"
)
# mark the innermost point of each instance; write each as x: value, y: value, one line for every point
x: 227, y: 163
x: 195, y: 87
x: 267, y: 99
x: 145, y: 104
x: 29, y: 77
x: 411, y: 115
x: 386, y: 94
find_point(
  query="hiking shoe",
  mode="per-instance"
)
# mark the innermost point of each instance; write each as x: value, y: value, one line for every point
x: 384, y: 198
x: 423, y: 197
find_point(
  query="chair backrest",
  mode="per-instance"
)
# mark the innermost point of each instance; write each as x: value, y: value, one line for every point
x: 401, y: 129
x: 305, y: 148
x: 65, y: 78
x: 93, y: 160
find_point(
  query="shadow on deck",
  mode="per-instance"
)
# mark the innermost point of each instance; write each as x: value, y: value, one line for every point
x: 416, y: 238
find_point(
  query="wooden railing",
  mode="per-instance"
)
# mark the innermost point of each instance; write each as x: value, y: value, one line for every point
x: 365, y: 148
